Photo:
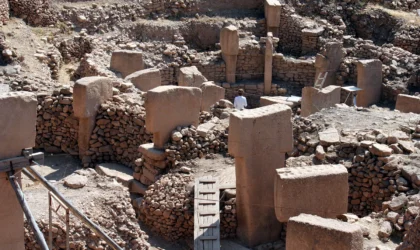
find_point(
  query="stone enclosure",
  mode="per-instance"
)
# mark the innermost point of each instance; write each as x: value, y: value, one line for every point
x: 151, y: 85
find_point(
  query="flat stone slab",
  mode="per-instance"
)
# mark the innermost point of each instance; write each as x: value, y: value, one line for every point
x: 122, y: 173
x: 380, y: 150
x: 329, y: 137
x: 205, y: 128
x: 307, y: 232
x: 151, y: 152
x: 75, y: 181
x: 137, y: 187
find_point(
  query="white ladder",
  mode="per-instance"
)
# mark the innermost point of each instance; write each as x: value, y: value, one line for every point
x: 319, y: 83
x: 206, y: 214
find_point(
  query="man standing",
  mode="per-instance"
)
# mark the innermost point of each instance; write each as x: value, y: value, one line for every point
x: 240, y: 101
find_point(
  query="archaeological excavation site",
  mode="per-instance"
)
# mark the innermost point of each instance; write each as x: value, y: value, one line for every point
x: 210, y: 124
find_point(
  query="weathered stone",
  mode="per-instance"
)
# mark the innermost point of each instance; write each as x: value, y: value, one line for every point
x: 322, y: 190
x: 314, y: 100
x: 190, y: 77
x: 75, y: 181
x: 369, y: 79
x: 127, y: 62
x: 304, y: 232
x: 146, y: 79
x: 211, y: 94
x: 120, y: 172
x: 385, y: 229
x: 329, y: 137
x: 380, y: 150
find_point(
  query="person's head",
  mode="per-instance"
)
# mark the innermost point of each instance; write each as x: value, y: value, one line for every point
x: 241, y: 92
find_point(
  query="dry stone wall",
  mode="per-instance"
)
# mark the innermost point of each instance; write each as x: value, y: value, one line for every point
x: 250, y: 64
x: 35, y: 12
x: 168, y: 208
x: 56, y: 127
x: 4, y: 10
x: 374, y: 172
x: 119, y: 131
x: 294, y: 71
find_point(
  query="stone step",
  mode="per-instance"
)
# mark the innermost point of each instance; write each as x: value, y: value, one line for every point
x: 122, y: 173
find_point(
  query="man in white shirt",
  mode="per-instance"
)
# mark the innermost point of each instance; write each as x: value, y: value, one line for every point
x: 240, y: 101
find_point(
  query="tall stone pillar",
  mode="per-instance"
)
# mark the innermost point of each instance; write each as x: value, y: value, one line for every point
x: 259, y: 139
x: 17, y: 131
x: 88, y: 94
x: 268, y: 66
x: 229, y: 41
x: 329, y: 61
x: 369, y: 79
x: 163, y: 106
x: 272, y: 9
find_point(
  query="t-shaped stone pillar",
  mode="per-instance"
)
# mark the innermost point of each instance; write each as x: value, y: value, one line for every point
x: 272, y: 9
x: 88, y: 94
x: 168, y: 107
x: 258, y: 139
x: 17, y: 131
x: 268, y: 67
x: 369, y: 79
x: 229, y: 41
x: 329, y: 62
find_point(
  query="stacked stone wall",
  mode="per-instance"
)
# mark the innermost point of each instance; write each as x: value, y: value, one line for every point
x: 294, y: 71
x: 35, y: 12
x: 56, y: 127
x: 250, y: 64
x: 4, y: 10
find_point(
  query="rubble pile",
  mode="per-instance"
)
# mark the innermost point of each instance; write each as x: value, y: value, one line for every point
x: 222, y: 109
x: 75, y: 48
x: 168, y: 208
x: 56, y: 127
x: 189, y: 143
x: 412, y: 238
x: 120, y: 129
x: 399, y: 215
x: 119, y: 222
x: 35, y: 12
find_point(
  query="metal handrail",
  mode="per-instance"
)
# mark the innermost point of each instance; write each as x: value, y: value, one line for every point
x: 74, y: 210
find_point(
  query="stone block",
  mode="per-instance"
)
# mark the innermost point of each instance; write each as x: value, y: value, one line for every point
x: 120, y: 172
x: 168, y: 107
x: 408, y: 103
x: 88, y: 94
x: 18, y: 123
x: 272, y: 127
x: 272, y: 9
x: 270, y: 100
x: 127, y: 62
x: 190, y: 77
x: 146, y: 79
x: 309, y: 232
x: 229, y: 40
x: 319, y: 190
x: 149, y: 151
x: 211, y: 94
x: 258, y: 139
x: 369, y: 79
x: 314, y: 100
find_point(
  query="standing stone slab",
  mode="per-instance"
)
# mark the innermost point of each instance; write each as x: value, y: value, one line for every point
x: 88, y: 94
x: 17, y: 123
x: 369, y: 79
x: 146, y: 79
x: 190, y: 77
x: 127, y: 62
x: 17, y: 131
x: 268, y: 66
x: 258, y: 139
x: 408, y: 103
x: 211, y: 94
x: 168, y: 107
x: 272, y: 9
x: 329, y: 62
x: 320, y: 190
x: 309, y: 232
x: 229, y: 41
x: 314, y: 100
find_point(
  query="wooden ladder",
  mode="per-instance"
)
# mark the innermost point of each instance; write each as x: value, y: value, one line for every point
x: 206, y: 214
x: 319, y: 83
